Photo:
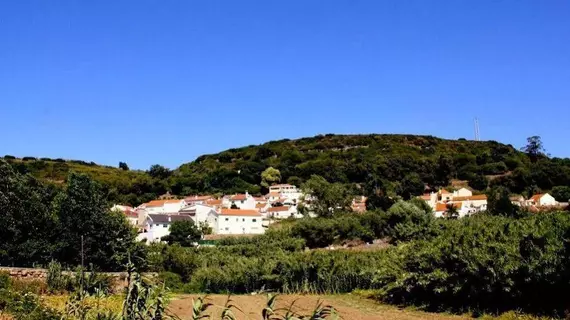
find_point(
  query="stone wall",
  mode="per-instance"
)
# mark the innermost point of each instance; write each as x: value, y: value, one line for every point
x: 31, y: 274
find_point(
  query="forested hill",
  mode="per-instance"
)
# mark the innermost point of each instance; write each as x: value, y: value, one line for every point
x: 355, y: 160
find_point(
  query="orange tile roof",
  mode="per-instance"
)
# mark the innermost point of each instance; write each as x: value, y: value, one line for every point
x: 537, y: 197
x: 238, y: 197
x: 281, y: 185
x: 260, y: 205
x: 197, y: 198
x: 476, y: 197
x: 239, y: 212
x: 214, y: 202
x: 160, y: 203
x: 440, y: 206
x: 278, y: 209
x: 274, y: 194
x: 259, y: 198
x: 443, y: 191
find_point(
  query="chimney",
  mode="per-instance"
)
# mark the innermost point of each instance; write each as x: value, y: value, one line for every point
x: 169, y: 219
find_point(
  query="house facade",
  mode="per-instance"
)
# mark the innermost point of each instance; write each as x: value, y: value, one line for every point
x: 157, y: 226
x: 542, y: 200
x: 236, y: 221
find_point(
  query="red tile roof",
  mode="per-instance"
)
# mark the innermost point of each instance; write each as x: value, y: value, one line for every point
x: 238, y: 197
x: 476, y: 197
x: 260, y: 205
x: 440, y: 206
x: 278, y: 209
x: 536, y: 197
x: 160, y: 203
x: 214, y: 202
x: 239, y: 212
x: 197, y: 198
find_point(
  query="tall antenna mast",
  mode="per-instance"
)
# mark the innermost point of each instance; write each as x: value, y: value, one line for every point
x: 477, y: 135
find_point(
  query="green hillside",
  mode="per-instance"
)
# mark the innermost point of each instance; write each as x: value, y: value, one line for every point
x: 355, y: 160
x: 360, y: 159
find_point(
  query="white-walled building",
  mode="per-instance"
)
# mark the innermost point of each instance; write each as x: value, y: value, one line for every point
x: 463, y: 192
x: 195, y: 199
x: 286, y: 191
x: 236, y: 221
x: 199, y: 212
x: 542, y: 200
x: 282, y: 212
x: 242, y: 201
x: 130, y: 214
x: 163, y: 206
x: 157, y: 226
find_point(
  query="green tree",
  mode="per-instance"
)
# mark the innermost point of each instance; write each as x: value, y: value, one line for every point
x: 28, y: 225
x: 561, y: 193
x: 479, y: 182
x: 326, y: 198
x: 499, y: 203
x: 159, y: 172
x: 451, y: 211
x: 405, y: 222
x: 270, y: 176
x: 411, y: 186
x: 123, y: 166
x: 294, y: 180
x: 379, y: 202
x: 534, y: 148
x: 82, y: 209
x: 184, y: 233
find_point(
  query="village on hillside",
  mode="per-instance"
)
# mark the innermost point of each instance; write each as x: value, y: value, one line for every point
x: 245, y: 214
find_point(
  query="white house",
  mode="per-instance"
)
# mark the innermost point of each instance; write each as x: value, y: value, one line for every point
x: 542, y: 200
x: 236, y: 221
x: 192, y: 200
x: 199, y: 212
x: 477, y: 201
x: 463, y: 192
x: 242, y: 201
x: 286, y: 191
x: 157, y: 226
x: 163, y: 206
x: 282, y: 212
x: 441, y: 209
x: 130, y: 214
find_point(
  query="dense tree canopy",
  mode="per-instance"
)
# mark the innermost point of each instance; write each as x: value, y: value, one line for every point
x: 41, y: 223
x: 360, y: 162
x: 185, y: 233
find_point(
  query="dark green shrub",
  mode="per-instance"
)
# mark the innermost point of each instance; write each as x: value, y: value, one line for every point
x: 4, y: 280
x: 317, y: 232
x: 171, y: 280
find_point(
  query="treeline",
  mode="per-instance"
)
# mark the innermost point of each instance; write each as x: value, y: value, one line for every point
x: 395, y: 164
x: 41, y: 222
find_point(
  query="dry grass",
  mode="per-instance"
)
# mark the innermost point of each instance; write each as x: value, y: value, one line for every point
x: 112, y: 303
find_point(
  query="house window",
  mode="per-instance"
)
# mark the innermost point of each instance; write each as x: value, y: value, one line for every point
x: 156, y: 225
x: 242, y: 201
x: 254, y: 220
x: 227, y: 219
x: 237, y: 219
x: 165, y: 226
x: 227, y: 228
x: 243, y: 220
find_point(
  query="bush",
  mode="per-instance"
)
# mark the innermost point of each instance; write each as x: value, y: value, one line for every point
x: 4, y: 280
x: 317, y: 232
x: 485, y: 263
x: 405, y: 222
x: 9, y: 157
x: 171, y: 280
x: 56, y: 281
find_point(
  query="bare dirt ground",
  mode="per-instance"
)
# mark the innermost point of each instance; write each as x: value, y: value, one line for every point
x: 348, y: 307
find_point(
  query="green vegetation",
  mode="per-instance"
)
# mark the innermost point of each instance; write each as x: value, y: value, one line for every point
x: 184, y: 233
x: 395, y: 164
x: 71, y: 225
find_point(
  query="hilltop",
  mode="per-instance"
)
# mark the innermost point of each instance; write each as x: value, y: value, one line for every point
x: 354, y: 160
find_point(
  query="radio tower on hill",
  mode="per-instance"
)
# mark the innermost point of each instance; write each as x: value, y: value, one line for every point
x: 477, y: 136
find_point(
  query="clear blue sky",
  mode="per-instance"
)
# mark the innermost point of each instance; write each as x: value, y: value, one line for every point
x: 165, y: 81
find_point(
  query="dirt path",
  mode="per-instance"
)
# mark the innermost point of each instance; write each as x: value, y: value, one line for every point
x: 348, y: 306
